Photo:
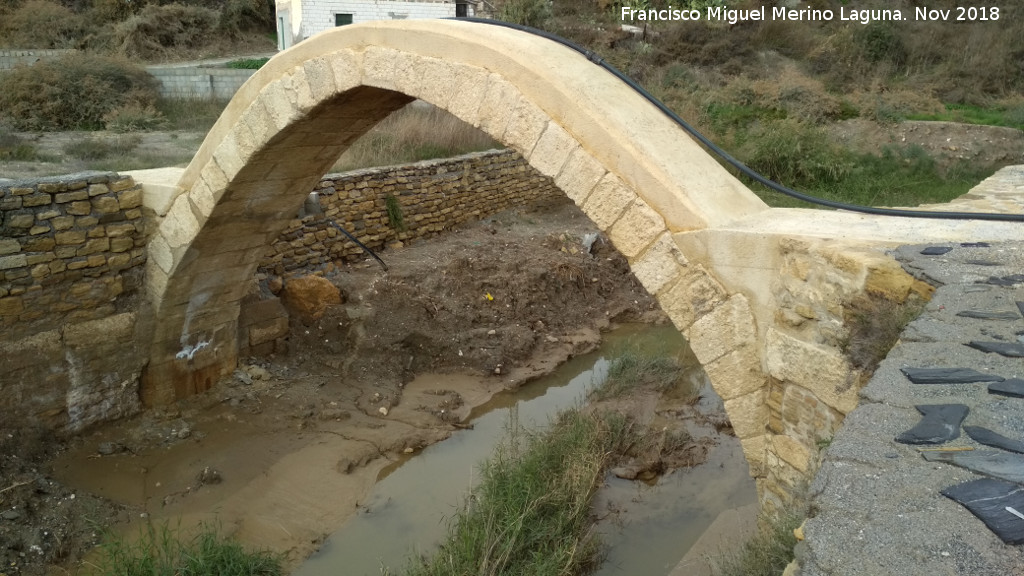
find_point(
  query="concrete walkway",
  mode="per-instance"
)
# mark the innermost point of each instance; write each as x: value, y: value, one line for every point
x: 876, y: 503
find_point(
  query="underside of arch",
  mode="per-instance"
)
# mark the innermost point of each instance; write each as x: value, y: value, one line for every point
x: 637, y: 175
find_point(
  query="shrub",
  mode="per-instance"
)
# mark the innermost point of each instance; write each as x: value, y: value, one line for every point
x: 99, y: 149
x: 133, y: 117
x: 157, y: 29
x: 247, y: 63
x: 794, y: 153
x: 74, y: 92
x: 14, y: 147
x: 526, y: 12
x: 243, y: 15
x: 42, y: 24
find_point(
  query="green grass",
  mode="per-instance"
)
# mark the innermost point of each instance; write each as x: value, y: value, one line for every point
x: 899, y: 177
x: 771, y: 549
x: 530, y: 513
x: 165, y: 551
x: 247, y: 63
x: 968, y: 114
x: 632, y: 369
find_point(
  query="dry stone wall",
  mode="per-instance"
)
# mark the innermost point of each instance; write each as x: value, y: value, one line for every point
x: 72, y: 255
x: 431, y: 196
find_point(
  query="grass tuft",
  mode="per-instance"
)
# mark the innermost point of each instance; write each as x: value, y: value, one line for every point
x: 632, y: 369
x: 165, y: 551
x: 769, y: 551
x: 530, y: 514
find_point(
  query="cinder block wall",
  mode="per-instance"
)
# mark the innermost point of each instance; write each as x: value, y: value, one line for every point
x: 12, y: 58
x: 199, y: 82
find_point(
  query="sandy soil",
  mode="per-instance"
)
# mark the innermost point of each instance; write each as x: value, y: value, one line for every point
x: 280, y: 454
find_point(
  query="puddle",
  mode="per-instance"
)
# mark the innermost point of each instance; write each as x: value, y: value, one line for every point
x: 408, y: 510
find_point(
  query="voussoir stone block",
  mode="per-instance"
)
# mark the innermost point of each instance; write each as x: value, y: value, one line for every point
x: 748, y: 414
x: 737, y: 373
x: 755, y: 451
x: 694, y: 295
x: 661, y: 263
x: 579, y: 175
x: 497, y: 106
x: 470, y: 86
x: 320, y: 78
x: 636, y: 229
x: 552, y: 150
x: 607, y: 201
x: 180, y: 226
x: 347, y: 67
x: 726, y: 328
x: 525, y: 127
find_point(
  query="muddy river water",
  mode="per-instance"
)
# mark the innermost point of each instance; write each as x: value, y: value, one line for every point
x: 648, y: 527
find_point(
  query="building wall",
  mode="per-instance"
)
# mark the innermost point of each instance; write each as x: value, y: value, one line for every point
x: 318, y: 15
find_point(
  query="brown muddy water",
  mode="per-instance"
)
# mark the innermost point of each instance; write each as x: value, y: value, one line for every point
x: 647, y: 527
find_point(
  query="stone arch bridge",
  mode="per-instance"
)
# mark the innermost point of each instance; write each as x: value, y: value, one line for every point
x: 760, y: 293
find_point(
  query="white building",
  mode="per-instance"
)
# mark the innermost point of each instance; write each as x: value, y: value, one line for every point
x: 300, y: 19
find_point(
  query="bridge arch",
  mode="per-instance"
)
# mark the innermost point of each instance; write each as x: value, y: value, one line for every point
x: 637, y: 175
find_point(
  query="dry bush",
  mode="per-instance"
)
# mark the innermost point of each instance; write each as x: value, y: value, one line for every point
x: 799, y: 95
x: 156, y: 30
x: 42, y: 24
x: 237, y: 16
x: 74, y: 92
x: 888, y: 106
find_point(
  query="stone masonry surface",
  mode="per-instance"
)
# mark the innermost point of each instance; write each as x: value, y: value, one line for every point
x: 72, y: 255
x: 432, y: 196
x: 10, y: 59
x: 876, y: 503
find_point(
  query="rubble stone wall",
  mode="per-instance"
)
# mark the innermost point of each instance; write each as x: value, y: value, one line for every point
x: 72, y: 256
x: 428, y: 198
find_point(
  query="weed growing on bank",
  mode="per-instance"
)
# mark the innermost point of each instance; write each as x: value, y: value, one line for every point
x: 769, y: 551
x: 530, y: 513
x: 165, y: 551
x: 632, y: 369
x: 875, y: 325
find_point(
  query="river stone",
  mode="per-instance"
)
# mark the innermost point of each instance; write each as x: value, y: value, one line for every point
x: 11, y: 514
x: 1013, y: 387
x: 1020, y: 306
x: 108, y: 448
x: 1001, y: 465
x: 1005, y: 280
x: 994, y: 439
x: 939, y: 423
x: 1008, y: 349
x: 975, y: 245
x: 947, y: 376
x: 989, y: 314
x: 988, y: 499
x: 936, y: 250
x: 982, y: 262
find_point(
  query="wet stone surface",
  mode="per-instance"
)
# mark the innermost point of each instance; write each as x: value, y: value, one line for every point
x: 880, y: 506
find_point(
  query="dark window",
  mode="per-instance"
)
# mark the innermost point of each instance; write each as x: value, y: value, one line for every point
x: 342, y: 19
x: 461, y: 10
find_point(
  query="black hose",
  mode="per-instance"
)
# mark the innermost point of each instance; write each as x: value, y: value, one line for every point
x: 597, y: 59
x: 358, y: 243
